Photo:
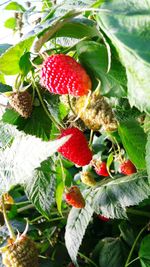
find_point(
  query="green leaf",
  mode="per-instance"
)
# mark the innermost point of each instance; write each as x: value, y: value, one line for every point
x: 38, y: 124
x: 9, y: 61
x: 55, y: 107
x: 134, y: 141
x: 41, y: 188
x: 128, y: 233
x: 144, y: 252
x: 148, y: 156
x: 112, y: 198
x: 25, y: 154
x: 94, y: 54
x: 95, y: 58
x: 10, y: 23
x: 78, y: 28
x: 77, y: 223
x: 15, y: 6
x: 113, y: 252
x: 5, y: 88
x: 125, y: 23
x: 25, y: 64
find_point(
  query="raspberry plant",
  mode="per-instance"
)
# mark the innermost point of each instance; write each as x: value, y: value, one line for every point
x: 77, y: 91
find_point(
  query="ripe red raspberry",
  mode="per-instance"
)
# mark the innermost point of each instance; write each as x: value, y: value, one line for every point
x: 127, y: 167
x: 74, y: 197
x: 61, y: 74
x: 103, y: 218
x: 76, y: 148
x: 71, y: 265
x: 101, y: 169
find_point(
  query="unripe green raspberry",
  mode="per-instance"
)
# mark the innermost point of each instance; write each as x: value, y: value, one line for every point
x: 20, y: 253
x: 88, y: 179
x: 95, y: 112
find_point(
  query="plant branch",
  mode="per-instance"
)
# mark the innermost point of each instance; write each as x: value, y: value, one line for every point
x: 9, y: 227
x: 59, y: 126
x: 134, y: 244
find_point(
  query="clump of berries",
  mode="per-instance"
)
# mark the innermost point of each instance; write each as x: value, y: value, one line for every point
x: 74, y: 197
x: 76, y: 149
x: 20, y: 253
x: 96, y: 112
x: 22, y: 103
x: 62, y: 74
x: 87, y: 178
x: 127, y: 167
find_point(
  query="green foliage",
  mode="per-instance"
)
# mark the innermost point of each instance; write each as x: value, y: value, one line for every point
x: 25, y: 154
x: 134, y: 141
x: 122, y: 24
x: 5, y: 88
x: 114, y: 196
x: 148, y: 156
x: 111, y: 40
x: 94, y: 56
x: 77, y: 223
x: 41, y: 188
x: 112, y: 252
x: 15, y: 6
x: 38, y: 124
x: 25, y: 64
x: 10, y: 23
x: 144, y: 252
x: 9, y: 61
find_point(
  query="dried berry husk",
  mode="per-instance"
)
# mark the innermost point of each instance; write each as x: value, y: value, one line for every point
x: 22, y: 103
x: 20, y: 253
x: 95, y: 112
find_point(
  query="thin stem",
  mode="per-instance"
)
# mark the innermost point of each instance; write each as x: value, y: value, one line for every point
x: 9, y: 227
x: 62, y: 170
x: 87, y: 259
x: 91, y: 137
x: 138, y: 212
x: 134, y: 244
x: 30, y: 206
x: 70, y: 105
x: 133, y: 261
x: 22, y: 203
x: 45, y: 109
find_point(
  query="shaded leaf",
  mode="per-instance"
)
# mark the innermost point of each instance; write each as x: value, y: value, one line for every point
x: 112, y: 198
x: 113, y: 252
x: 144, y: 252
x: 41, y: 188
x: 5, y: 88
x: 148, y: 156
x: 134, y: 141
x: 38, y: 124
x: 125, y: 23
x: 95, y: 58
x: 77, y: 223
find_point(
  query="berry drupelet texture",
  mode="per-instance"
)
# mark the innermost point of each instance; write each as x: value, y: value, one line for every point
x: 76, y: 149
x: 62, y: 74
